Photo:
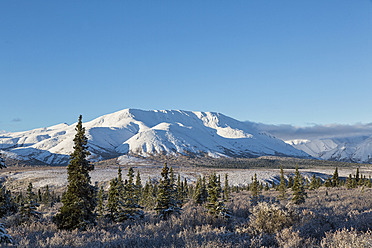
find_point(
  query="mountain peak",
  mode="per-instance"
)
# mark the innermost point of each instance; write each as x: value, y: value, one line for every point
x: 149, y: 132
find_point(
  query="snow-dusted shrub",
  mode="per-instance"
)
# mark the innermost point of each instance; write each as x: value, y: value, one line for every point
x: 347, y: 238
x: 270, y: 218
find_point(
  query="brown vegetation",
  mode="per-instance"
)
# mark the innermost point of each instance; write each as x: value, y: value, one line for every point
x: 330, y: 217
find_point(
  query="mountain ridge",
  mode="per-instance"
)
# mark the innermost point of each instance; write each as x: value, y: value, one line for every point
x: 148, y: 133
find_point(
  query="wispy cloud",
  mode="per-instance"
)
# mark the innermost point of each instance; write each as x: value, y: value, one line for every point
x: 287, y: 132
x: 17, y: 120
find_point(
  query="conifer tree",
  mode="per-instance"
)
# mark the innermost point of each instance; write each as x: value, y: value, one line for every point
x: 204, y: 190
x: 180, y: 193
x: 328, y: 182
x: 131, y: 210
x: 255, y: 187
x: 298, y: 189
x: 198, y: 194
x: 357, y: 176
x: 7, y: 204
x: 46, y: 196
x: 226, y: 189
x: 266, y: 188
x: 290, y: 182
x: 335, y: 180
x: 139, y: 187
x: 28, y: 208
x: 166, y: 204
x: 349, y: 182
x: 79, y: 201
x: 282, y: 187
x: 2, y: 162
x: 100, y: 210
x: 369, y: 184
x: 216, y: 207
x: 114, y: 200
x: 313, y: 183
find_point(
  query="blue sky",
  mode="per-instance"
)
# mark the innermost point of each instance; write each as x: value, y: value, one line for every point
x: 276, y: 62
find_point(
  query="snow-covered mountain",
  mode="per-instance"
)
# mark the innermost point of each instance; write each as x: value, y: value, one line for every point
x: 349, y: 149
x: 145, y: 133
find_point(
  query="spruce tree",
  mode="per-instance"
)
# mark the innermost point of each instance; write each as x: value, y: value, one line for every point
x: 139, y: 187
x: 131, y: 210
x: 215, y: 206
x: 28, y: 208
x: 369, y: 184
x: 79, y: 200
x: 335, y: 180
x: 2, y: 162
x: 290, y: 182
x: 7, y: 204
x: 298, y: 189
x: 114, y: 200
x: 198, y: 194
x: 282, y: 187
x: 313, y: 183
x: 255, y: 188
x: 100, y: 210
x: 328, y: 182
x: 226, y: 189
x: 166, y: 204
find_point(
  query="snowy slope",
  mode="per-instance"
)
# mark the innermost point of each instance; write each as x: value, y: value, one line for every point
x: 145, y: 133
x: 350, y: 149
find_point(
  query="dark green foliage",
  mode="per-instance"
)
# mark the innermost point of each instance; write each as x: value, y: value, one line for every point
x: 266, y: 188
x: 7, y: 204
x: 290, y: 182
x: 100, y: 210
x: 114, y: 202
x: 255, y: 187
x: 130, y: 209
x: 226, y: 189
x: 313, y: 183
x: 335, y: 179
x: 298, y: 189
x: 214, y: 205
x: 328, y: 182
x: 369, y: 184
x: 198, y: 192
x: 28, y: 208
x: 349, y: 182
x: 79, y: 201
x: 2, y: 162
x: 282, y: 187
x: 166, y: 204
x: 139, y: 187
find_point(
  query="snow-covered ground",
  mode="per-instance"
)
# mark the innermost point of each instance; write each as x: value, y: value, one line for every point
x: 57, y: 177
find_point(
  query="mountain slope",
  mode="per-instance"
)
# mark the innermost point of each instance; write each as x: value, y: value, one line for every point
x: 348, y: 149
x: 145, y: 133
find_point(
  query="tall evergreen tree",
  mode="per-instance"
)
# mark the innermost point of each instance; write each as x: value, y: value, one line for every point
x: 166, y: 203
x: 215, y: 206
x: 282, y: 187
x: 335, y: 179
x: 298, y: 188
x: 139, y: 187
x: 100, y: 210
x: 131, y: 210
x: 28, y: 208
x: 198, y: 194
x: 79, y: 201
x: 7, y: 203
x: 226, y: 189
x: 2, y: 162
x: 313, y: 183
x: 114, y: 200
x: 255, y: 188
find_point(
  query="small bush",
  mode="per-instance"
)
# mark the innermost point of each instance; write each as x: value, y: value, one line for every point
x: 347, y: 238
